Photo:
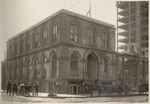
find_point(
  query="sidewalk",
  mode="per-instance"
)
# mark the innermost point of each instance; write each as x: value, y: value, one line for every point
x: 45, y: 95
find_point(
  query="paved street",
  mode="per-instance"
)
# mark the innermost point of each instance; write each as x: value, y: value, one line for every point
x: 18, y: 98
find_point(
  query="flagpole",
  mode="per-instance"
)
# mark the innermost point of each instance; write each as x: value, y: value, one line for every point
x: 90, y: 9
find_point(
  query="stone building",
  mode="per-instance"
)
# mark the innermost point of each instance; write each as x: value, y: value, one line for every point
x: 61, y: 52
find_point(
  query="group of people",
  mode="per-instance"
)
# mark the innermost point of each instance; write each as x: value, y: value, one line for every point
x: 17, y: 88
x: 11, y: 88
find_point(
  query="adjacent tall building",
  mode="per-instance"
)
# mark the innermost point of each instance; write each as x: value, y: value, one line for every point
x: 132, y: 25
x: 132, y: 32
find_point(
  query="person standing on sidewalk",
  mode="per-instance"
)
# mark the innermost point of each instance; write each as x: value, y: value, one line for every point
x: 14, y: 89
x: 36, y: 87
x: 8, y: 89
x: 99, y: 89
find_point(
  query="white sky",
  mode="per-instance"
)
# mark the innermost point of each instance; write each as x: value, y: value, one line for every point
x: 18, y: 15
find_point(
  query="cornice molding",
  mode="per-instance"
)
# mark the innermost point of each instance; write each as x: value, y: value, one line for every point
x: 59, y: 44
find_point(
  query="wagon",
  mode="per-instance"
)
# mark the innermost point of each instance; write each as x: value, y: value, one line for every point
x: 143, y: 88
x: 25, y: 90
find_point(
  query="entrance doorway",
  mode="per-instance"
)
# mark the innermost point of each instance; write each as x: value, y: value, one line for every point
x: 52, y: 86
x: 74, y: 87
x: 92, y: 67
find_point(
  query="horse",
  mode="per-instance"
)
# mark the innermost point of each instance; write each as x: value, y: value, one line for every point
x: 89, y: 87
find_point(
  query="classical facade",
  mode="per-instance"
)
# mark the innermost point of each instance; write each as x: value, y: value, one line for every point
x: 63, y: 51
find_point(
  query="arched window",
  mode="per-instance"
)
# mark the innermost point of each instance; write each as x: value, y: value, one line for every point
x: 43, y: 67
x: 10, y: 72
x: 74, y: 62
x: 105, y: 64
x: 15, y: 70
x: 27, y: 69
x: 35, y: 68
x: 21, y: 70
x: 54, y: 65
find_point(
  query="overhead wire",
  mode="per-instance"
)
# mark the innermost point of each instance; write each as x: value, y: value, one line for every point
x: 74, y: 5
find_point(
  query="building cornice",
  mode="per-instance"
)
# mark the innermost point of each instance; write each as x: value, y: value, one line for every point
x: 60, y: 44
x: 58, y: 13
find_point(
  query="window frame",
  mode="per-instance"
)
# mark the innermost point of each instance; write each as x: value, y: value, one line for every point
x: 44, y: 60
x: 74, y: 64
x: 106, y: 65
x: 21, y: 46
x: 54, y: 65
x: 89, y: 36
x: 27, y: 69
x: 44, y: 37
x: 28, y: 43
x: 105, y: 40
x: 35, y: 69
x: 16, y: 48
x: 36, y: 40
x: 74, y: 36
x: 74, y: 60
x: 55, y: 33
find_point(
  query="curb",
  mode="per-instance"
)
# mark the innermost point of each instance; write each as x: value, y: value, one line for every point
x: 90, y: 96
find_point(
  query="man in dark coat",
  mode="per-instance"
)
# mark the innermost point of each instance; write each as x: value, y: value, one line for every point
x: 8, y: 89
x: 36, y: 89
x: 120, y: 89
x: 99, y: 89
x: 14, y: 88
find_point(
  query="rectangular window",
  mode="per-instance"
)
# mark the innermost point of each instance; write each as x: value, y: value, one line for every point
x: 55, y: 33
x: 105, y: 40
x: 21, y: 46
x: 28, y: 43
x: 90, y: 36
x: 36, y: 41
x: 74, y: 32
x: 10, y: 50
x: 16, y: 48
x: 44, y: 37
